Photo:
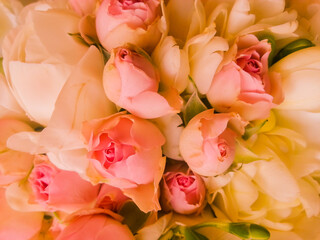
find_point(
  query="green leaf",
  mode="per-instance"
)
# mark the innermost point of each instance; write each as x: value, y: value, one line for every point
x: 133, y: 216
x: 103, y: 51
x: 193, y: 107
x: 291, y: 48
x: 241, y: 229
x: 271, y: 40
x: 244, y: 155
x: 251, y: 130
x: 79, y: 38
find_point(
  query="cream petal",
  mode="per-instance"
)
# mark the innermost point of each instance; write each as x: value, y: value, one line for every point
x: 276, y: 181
x: 26, y: 78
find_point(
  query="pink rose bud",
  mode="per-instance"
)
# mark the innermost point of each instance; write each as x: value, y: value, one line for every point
x: 182, y: 193
x: 97, y: 227
x: 132, y: 82
x: 83, y: 7
x: 207, y: 143
x: 120, y: 22
x: 59, y: 189
x: 243, y: 85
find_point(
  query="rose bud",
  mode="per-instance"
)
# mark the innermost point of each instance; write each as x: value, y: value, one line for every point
x: 120, y: 22
x: 132, y: 82
x: 243, y: 85
x: 182, y: 193
x: 207, y: 143
x: 58, y: 189
x: 97, y: 226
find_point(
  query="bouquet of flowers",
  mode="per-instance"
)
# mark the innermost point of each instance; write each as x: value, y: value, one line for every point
x: 159, y: 119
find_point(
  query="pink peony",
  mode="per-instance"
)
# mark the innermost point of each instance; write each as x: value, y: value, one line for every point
x: 243, y: 85
x: 132, y: 82
x: 207, y: 143
x: 183, y: 193
x: 128, y: 21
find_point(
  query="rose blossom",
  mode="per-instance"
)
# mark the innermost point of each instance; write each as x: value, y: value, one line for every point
x: 183, y: 193
x: 58, y: 189
x: 97, y: 227
x: 32, y: 51
x: 125, y: 152
x: 132, y: 82
x: 207, y: 143
x: 128, y: 21
x: 243, y: 85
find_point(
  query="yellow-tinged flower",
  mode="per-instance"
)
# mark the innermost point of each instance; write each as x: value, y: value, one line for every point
x: 299, y: 74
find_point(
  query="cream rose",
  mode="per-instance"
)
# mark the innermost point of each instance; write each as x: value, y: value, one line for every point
x: 299, y: 73
x: 34, y: 59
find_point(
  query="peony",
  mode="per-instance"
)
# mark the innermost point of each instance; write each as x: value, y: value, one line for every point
x: 207, y: 143
x: 183, y: 193
x: 243, y: 85
x: 31, y: 52
x: 125, y: 152
x: 132, y: 82
x: 130, y: 21
x: 96, y: 227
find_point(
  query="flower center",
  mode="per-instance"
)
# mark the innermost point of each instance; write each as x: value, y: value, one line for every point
x: 223, y: 150
x: 184, y: 181
x: 123, y: 53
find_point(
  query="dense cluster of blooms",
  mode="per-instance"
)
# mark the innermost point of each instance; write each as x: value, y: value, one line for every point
x: 159, y: 119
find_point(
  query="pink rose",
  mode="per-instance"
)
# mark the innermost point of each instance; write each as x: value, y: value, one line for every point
x: 128, y: 21
x: 83, y: 7
x: 125, y: 152
x: 131, y: 81
x: 207, y: 143
x: 183, y: 193
x: 14, y: 165
x: 97, y: 227
x: 58, y: 189
x: 243, y: 85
